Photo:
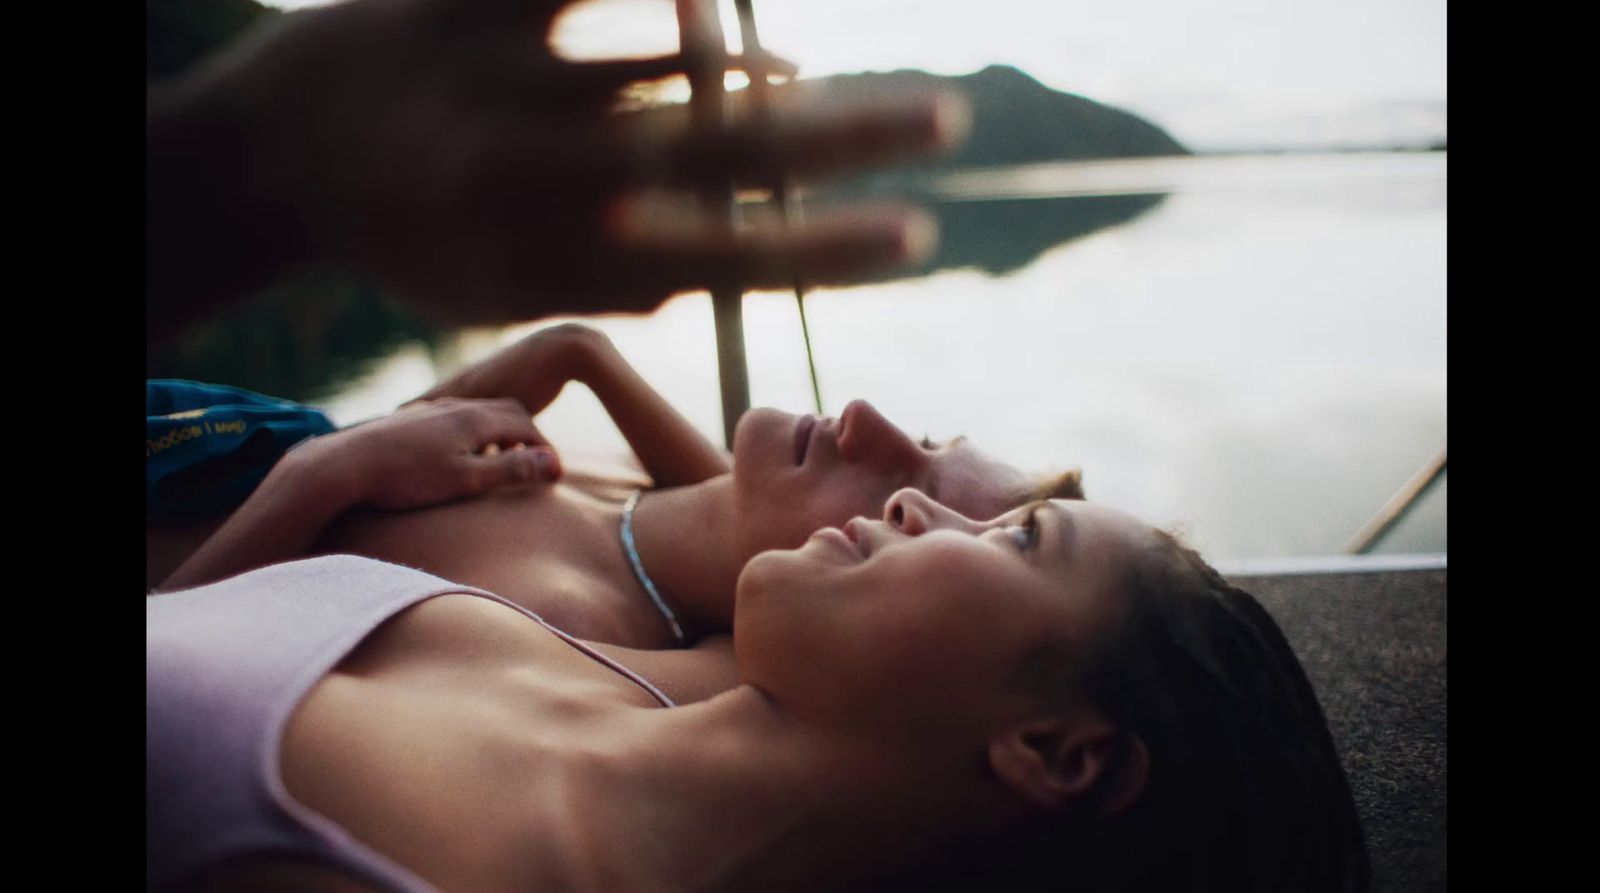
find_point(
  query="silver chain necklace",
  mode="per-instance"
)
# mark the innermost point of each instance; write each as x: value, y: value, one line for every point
x: 632, y: 552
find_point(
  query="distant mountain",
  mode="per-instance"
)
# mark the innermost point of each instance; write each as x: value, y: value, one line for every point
x: 1015, y: 120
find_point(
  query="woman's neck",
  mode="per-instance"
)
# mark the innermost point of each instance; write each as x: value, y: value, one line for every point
x: 732, y: 794
x: 687, y: 544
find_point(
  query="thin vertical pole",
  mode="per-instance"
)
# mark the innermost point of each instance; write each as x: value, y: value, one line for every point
x: 701, y: 41
x: 787, y: 200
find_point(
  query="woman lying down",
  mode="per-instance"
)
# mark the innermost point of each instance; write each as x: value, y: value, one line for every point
x: 1057, y: 694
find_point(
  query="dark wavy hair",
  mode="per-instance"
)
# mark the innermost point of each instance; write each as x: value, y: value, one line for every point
x: 1245, y: 791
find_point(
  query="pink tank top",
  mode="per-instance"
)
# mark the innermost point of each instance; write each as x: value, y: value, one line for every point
x: 225, y: 666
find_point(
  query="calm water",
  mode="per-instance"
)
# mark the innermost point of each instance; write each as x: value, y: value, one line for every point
x: 1258, y: 361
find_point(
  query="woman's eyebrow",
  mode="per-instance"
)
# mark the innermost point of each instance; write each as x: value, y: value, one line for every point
x: 931, y: 444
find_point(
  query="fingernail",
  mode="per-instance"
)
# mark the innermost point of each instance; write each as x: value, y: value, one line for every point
x: 952, y: 119
x: 919, y: 237
x: 549, y: 466
x: 905, y: 235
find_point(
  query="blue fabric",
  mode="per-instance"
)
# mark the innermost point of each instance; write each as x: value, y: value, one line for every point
x: 208, y: 446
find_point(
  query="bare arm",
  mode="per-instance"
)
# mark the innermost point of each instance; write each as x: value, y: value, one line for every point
x: 535, y: 369
x: 672, y: 450
x: 416, y: 457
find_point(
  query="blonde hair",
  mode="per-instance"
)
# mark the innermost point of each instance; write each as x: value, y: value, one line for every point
x: 1066, y: 485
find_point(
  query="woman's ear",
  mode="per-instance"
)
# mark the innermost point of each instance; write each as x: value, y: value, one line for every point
x: 1054, y: 762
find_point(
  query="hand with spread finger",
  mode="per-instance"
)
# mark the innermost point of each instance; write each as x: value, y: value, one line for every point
x: 441, y: 450
x: 441, y: 148
x: 428, y: 453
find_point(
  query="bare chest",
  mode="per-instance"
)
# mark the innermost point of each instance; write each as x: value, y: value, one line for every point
x: 552, y: 550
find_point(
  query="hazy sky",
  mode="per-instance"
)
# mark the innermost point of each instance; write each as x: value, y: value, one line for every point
x: 1216, y: 74
x: 1298, y: 50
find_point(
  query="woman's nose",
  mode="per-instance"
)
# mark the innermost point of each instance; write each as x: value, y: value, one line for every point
x: 866, y: 436
x: 911, y: 512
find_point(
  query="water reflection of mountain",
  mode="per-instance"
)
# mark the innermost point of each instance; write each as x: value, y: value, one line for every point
x: 1005, y: 235
x: 1016, y: 120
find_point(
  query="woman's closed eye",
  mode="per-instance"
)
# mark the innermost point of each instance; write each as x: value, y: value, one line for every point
x: 934, y: 446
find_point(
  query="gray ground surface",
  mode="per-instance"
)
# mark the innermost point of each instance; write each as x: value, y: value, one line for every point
x: 1374, y: 647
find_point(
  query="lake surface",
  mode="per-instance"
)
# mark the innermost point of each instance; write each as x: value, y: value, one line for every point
x: 1258, y: 361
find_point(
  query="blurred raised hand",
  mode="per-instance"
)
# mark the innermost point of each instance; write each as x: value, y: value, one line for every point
x: 441, y: 148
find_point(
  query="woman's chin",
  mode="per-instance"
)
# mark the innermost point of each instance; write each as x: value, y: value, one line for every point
x: 781, y: 570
